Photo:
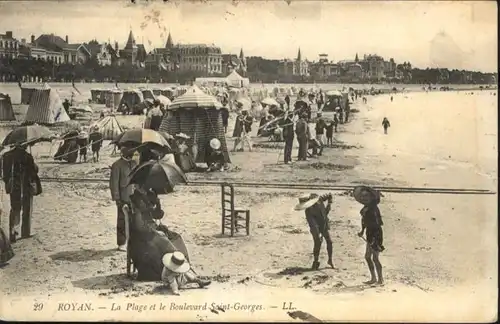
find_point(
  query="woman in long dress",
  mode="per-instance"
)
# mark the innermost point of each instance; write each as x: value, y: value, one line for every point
x: 6, y: 252
x: 149, y: 241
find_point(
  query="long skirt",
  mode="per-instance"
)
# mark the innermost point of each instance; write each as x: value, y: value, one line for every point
x: 148, y: 250
x: 6, y: 252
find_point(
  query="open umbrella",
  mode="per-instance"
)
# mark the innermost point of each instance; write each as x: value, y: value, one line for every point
x: 30, y: 135
x: 164, y: 100
x: 162, y: 177
x: 334, y: 93
x: 270, y: 102
x: 139, y: 136
x: 82, y: 109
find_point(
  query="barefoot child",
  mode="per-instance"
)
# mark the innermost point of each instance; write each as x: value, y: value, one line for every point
x: 372, y: 222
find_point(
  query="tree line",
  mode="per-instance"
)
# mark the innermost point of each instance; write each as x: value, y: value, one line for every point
x: 258, y: 70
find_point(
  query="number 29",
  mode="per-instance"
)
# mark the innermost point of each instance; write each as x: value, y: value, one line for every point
x: 37, y: 307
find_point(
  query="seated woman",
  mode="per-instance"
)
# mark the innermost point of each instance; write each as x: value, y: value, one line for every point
x: 214, y: 156
x: 148, y: 241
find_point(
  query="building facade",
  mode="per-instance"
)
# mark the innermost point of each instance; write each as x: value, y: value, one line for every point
x: 9, y: 46
x: 324, y: 70
x: 232, y: 63
x: 297, y: 67
x: 203, y: 58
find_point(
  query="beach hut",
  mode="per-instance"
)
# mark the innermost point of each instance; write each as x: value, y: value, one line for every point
x: 109, y: 127
x: 98, y: 96
x: 45, y: 108
x: 6, y: 110
x: 236, y: 80
x: 130, y: 99
x: 113, y: 99
x: 26, y: 95
x: 148, y: 94
x: 197, y: 115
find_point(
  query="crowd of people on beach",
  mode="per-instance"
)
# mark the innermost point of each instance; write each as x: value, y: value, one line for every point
x: 157, y: 252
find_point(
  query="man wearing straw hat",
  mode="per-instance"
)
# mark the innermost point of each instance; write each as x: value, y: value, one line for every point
x: 177, y: 272
x: 317, y: 218
x: 121, y: 191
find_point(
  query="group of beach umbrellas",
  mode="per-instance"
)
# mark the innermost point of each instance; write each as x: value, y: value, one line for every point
x: 159, y: 175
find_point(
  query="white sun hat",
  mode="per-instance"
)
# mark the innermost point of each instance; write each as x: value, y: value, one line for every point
x: 306, y: 201
x: 215, y: 144
x: 176, y: 262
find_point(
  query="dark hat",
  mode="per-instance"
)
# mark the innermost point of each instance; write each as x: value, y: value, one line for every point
x: 366, y: 195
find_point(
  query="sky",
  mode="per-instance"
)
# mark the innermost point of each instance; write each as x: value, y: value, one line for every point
x: 461, y: 35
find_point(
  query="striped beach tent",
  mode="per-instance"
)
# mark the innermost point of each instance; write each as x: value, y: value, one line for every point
x: 45, y: 108
x: 131, y: 98
x: 6, y: 110
x: 26, y: 95
x: 113, y: 98
x: 108, y: 127
x: 197, y: 115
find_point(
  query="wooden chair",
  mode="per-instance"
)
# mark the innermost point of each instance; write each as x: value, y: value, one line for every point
x: 130, y: 265
x: 230, y: 214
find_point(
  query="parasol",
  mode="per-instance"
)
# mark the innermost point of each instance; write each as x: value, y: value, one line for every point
x: 162, y: 177
x: 270, y: 102
x: 244, y: 102
x: 164, y: 100
x: 334, y: 93
x: 82, y: 109
x: 29, y: 135
x: 366, y: 195
x: 140, y: 137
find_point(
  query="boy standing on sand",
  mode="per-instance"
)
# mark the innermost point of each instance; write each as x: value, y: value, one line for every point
x: 371, y: 221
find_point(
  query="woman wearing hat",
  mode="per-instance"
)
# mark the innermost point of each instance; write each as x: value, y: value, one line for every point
x: 214, y: 156
x: 317, y: 218
x: 177, y: 272
x: 183, y: 157
x: 371, y: 221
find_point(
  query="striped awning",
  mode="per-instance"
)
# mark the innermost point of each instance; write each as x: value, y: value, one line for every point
x: 195, y: 98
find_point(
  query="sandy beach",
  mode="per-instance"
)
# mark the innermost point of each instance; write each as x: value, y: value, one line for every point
x: 440, y: 262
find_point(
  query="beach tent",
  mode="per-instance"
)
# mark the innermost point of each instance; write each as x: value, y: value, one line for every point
x: 45, y: 108
x: 197, y: 115
x: 131, y: 98
x: 113, y: 99
x: 148, y: 94
x: 6, y: 110
x: 26, y: 94
x: 98, y: 95
x: 109, y: 127
x: 236, y: 80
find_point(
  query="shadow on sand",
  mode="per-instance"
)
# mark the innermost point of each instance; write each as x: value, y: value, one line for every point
x: 113, y: 282
x: 83, y: 255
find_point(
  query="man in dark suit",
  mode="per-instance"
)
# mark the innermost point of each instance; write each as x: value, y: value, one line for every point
x: 121, y: 191
x: 302, y: 131
x: 288, y: 136
x: 20, y: 174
